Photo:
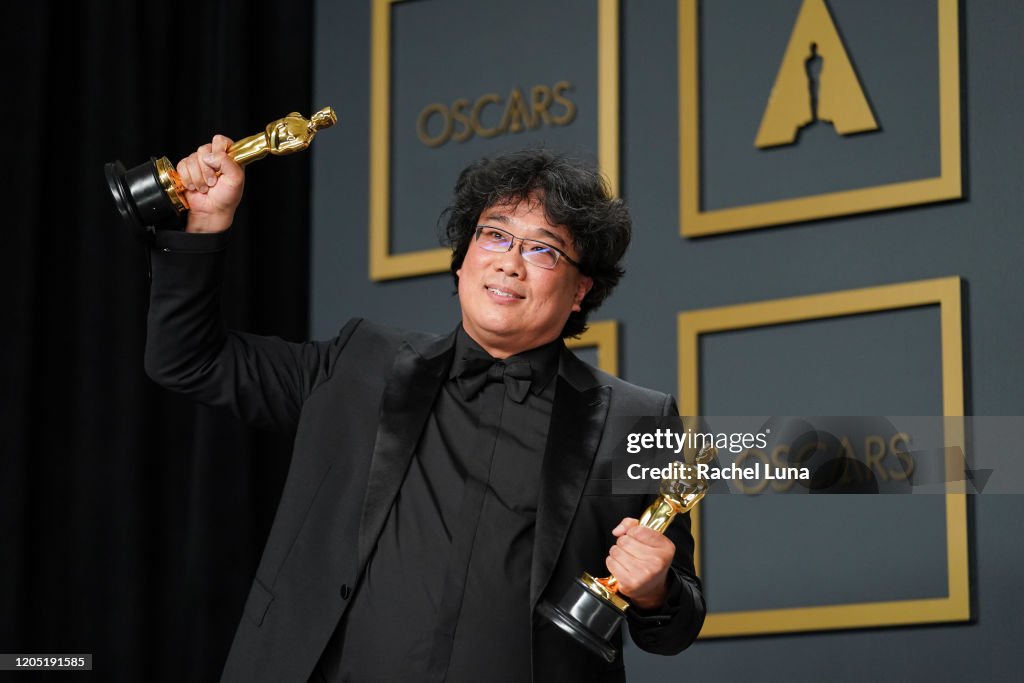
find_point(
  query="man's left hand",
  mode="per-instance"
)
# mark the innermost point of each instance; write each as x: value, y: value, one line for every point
x: 640, y: 560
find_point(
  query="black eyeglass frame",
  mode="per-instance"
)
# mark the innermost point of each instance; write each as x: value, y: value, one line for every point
x: 522, y: 241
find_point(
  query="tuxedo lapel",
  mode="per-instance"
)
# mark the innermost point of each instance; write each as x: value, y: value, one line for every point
x: 577, y: 421
x: 408, y: 399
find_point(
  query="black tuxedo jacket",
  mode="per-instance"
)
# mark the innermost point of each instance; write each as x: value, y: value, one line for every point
x: 358, y: 404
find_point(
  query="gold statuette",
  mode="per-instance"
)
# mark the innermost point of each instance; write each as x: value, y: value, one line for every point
x: 152, y: 193
x: 287, y: 135
x: 592, y: 610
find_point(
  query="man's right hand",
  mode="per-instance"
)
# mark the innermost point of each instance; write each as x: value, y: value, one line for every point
x: 213, y: 186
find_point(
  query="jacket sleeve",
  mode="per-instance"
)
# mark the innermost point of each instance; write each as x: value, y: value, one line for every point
x: 263, y: 380
x: 673, y: 627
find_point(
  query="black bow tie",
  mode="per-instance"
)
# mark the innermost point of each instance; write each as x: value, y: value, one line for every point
x: 477, y: 369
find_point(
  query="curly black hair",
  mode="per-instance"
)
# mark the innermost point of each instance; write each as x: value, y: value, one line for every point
x: 573, y: 194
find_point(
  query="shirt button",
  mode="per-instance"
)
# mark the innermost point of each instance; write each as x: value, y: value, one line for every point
x: 345, y: 591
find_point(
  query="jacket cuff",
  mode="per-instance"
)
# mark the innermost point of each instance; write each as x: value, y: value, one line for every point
x: 659, y: 616
x: 190, y: 242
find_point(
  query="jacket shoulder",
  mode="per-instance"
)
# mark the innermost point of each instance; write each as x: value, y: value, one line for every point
x: 363, y: 344
x: 626, y: 398
x: 367, y: 332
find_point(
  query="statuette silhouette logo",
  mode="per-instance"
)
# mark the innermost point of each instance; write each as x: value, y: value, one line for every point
x: 815, y: 83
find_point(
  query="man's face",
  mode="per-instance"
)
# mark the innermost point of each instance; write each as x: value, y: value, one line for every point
x: 508, y: 305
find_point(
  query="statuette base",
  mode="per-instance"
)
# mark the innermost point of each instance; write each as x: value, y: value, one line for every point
x: 589, y: 618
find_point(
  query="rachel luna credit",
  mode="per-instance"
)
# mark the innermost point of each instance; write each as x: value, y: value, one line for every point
x: 759, y: 471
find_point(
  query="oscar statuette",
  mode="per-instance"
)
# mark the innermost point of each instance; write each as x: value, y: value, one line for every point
x: 591, y: 611
x: 152, y: 193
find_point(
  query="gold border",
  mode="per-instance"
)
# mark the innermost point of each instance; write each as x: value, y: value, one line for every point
x: 603, y: 334
x: 944, y: 292
x: 385, y: 265
x: 694, y: 222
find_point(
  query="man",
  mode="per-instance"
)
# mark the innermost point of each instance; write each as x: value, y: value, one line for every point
x: 439, y: 487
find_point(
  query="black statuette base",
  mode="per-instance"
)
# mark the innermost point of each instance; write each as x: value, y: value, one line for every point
x: 590, y: 619
x: 140, y: 199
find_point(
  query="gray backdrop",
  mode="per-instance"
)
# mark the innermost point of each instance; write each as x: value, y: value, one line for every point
x: 881, y: 364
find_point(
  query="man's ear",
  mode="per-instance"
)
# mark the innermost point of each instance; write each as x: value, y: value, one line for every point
x: 582, y: 287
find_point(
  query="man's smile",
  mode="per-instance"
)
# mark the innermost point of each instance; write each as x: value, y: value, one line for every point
x: 503, y: 293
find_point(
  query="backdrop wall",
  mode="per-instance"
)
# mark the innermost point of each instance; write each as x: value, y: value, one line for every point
x: 884, y: 363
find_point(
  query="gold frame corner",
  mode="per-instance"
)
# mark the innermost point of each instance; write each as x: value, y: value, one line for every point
x: 385, y: 265
x: 695, y: 222
x: 944, y: 292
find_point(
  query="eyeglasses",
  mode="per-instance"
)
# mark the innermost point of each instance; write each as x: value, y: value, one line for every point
x: 534, y: 252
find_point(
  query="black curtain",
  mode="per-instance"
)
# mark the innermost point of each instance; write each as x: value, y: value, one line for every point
x: 132, y: 521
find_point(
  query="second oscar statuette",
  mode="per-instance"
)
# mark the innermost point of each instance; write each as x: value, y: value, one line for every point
x: 591, y: 611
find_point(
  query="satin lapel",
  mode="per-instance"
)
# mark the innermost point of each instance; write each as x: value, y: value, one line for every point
x: 577, y: 421
x: 406, y: 404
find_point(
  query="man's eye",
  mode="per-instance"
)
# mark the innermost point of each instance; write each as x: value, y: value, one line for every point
x: 495, y: 236
x: 539, y: 247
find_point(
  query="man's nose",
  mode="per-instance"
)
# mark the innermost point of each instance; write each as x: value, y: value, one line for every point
x: 511, y: 262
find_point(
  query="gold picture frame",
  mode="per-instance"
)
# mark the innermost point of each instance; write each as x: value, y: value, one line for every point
x: 603, y: 335
x: 385, y: 265
x: 695, y: 222
x: 944, y: 292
